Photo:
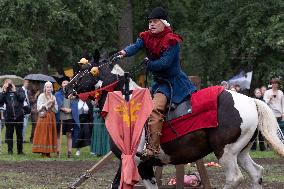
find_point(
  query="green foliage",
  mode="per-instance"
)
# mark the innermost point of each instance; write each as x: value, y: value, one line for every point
x: 220, y: 38
x: 57, y: 32
x: 238, y: 35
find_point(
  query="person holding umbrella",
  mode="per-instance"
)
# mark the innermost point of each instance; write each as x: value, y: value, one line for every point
x: 33, y: 96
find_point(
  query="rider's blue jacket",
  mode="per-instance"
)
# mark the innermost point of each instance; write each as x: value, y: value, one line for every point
x: 166, y: 69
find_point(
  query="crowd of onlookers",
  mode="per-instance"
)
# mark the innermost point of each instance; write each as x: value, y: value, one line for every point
x: 51, y: 116
x: 273, y: 97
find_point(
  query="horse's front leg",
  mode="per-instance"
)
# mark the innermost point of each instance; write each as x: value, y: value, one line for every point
x: 146, y: 172
x: 116, y: 180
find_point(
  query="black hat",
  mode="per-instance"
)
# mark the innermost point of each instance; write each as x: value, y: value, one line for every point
x: 64, y: 78
x: 158, y: 13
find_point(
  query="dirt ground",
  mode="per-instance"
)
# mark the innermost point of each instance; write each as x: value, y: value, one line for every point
x: 58, y: 174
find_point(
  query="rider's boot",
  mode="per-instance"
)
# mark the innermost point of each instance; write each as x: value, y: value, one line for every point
x: 155, y: 123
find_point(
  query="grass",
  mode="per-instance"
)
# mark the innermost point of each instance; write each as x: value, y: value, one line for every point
x: 14, y: 180
x: 85, y: 152
x: 19, y: 178
x: 29, y: 156
x: 277, y: 175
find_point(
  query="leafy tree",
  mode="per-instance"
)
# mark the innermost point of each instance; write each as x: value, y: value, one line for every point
x: 45, y: 34
x: 220, y: 38
x: 239, y: 35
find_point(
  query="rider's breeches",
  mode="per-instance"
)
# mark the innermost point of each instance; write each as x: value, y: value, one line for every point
x: 156, y: 120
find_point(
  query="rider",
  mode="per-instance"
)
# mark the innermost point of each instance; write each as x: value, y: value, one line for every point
x: 170, y: 82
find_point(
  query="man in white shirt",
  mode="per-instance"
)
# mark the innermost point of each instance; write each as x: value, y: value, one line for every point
x: 275, y: 99
x: 26, y: 103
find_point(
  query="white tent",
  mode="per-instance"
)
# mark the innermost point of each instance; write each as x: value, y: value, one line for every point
x: 243, y: 79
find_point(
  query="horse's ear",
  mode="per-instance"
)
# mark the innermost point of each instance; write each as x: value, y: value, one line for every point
x: 86, y: 54
x: 76, y: 68
x: 96, y: 55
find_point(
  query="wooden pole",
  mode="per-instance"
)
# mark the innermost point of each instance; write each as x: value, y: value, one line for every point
x: 180, y: 176
x: 60, y: 139
x: 91, y: 171
x: 203, y: 174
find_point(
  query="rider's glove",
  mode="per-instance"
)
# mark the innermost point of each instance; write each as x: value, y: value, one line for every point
x: 116, y: 58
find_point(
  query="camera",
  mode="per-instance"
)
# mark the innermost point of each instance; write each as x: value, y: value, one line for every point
x: 10, y: 86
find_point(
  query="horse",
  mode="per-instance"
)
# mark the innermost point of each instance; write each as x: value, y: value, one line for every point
x: 239, y: 119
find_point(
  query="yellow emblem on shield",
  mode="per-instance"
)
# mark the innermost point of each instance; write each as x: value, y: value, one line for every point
x: 124, y: 112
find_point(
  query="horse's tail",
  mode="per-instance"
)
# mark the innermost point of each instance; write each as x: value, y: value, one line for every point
x: 268, y: 126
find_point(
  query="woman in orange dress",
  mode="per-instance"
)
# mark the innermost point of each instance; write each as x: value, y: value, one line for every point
x: 45, y: 136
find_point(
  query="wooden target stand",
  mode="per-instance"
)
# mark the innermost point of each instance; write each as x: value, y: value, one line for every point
x: 205, y: 183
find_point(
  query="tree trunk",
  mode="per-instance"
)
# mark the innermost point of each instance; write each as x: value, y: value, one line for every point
x: 44, y: 65
x: 55, y: 62
x: 125, y: 29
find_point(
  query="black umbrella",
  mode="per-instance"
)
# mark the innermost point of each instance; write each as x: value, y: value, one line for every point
x: 40, y: 77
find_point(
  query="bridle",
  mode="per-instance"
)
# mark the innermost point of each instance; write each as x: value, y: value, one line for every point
x: 74, y: 81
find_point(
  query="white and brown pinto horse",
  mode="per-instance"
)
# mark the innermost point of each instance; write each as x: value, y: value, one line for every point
x: 239, y: 118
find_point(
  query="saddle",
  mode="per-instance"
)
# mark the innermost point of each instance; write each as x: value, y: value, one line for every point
x: 180, y: 119
x: 177, y: 110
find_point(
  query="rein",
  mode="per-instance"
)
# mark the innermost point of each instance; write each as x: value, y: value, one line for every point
x: 136, y: 69
x: 96, y: 93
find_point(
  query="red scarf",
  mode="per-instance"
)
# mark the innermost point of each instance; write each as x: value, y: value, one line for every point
x: 159, y: 42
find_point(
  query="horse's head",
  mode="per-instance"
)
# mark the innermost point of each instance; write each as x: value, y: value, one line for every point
x: 85, y: 81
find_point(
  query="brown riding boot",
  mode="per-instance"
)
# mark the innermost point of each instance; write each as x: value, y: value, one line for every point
x: 155, y: 124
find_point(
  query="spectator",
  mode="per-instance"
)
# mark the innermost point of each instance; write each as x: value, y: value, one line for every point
x: 2, y: 109
x: 1, y: 115
x: 33, y: 96
x: 262, y: 90
x: 68, y: 116
x: 232, y: 88
x: 45, y: 136
x: 100, y: 136
x: 225, y: 84
x: 237, y: 87
x: 262, y: 147
x: 275, y: 99
x: 257, y: 94
x: 26, y: 103
x: 86, y: 124
x: 14, y: 115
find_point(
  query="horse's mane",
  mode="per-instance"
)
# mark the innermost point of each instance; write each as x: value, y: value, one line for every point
x: 110, y: 74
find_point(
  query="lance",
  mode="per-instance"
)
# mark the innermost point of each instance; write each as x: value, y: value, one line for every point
x: 86, y: 175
